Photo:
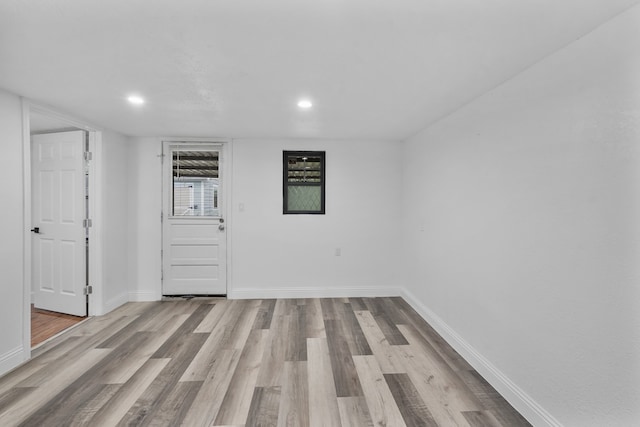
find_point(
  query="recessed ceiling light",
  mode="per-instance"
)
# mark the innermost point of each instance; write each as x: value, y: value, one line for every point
x: 305, y: 103
x: 135, y: 100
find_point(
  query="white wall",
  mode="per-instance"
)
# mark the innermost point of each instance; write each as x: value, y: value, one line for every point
x: 115, y: 216
x: 277, y: 255
x: 295, y: 255
x: 11, y: 232
x: 521, y: 234
x: 144, y: 226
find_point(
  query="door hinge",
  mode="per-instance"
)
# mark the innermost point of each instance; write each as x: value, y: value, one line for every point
x: 86, y: 223
x: 88, y: 290
x: 88, y: 155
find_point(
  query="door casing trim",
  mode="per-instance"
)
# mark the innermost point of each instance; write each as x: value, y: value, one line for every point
x: 227, y: 197
x: 94, y: 262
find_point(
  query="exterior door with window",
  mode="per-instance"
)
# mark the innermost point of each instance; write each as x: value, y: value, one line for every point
x: 194, y: 238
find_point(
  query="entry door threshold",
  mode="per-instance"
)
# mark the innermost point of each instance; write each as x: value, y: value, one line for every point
x: 190, y: 297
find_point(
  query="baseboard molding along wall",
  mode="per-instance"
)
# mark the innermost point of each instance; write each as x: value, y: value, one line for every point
x: 12, y: 359
x: 144, y: 296
x: 520, y: 400
x: 316, y: 292
x: 116, y: 302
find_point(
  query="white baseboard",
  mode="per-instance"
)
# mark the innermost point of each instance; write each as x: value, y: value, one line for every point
x: 116, y: 302
x: 520, y: 400
x: 315, y: 292
x: 143, y: 296
x: 11, y: 359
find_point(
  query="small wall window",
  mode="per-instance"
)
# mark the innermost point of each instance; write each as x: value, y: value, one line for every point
x: 303, y: 182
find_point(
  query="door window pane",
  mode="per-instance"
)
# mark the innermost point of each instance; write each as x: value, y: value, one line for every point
x: 196, y: 183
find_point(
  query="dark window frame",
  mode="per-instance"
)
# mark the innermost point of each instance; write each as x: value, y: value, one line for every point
x: 286, y: 154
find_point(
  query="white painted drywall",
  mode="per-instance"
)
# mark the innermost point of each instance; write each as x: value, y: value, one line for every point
x: 144, y: 226
x: 277, y: 255
x: 115, y: 206
x: 11, y: 232
x: 295, y: 255
x: 521, y: 227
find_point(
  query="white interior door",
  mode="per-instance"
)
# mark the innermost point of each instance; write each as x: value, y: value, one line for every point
x: 58, y: 211
x: 194, y: 239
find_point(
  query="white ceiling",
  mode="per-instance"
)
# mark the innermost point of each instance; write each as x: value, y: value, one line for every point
x: 375, y: 69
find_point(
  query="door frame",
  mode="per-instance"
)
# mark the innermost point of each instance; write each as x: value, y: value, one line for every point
x: 57, y: 235
x: 94, y: 261
x: 227, y: 199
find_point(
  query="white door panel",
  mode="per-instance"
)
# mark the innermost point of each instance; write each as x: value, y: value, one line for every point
x: 194, y: 238
x: 58, y: 211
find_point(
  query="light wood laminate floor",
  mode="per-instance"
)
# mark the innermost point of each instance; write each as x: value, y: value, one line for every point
x: 306, y: 362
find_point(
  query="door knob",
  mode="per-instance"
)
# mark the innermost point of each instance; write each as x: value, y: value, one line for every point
x: 221, y: 227
x: 35, y: 230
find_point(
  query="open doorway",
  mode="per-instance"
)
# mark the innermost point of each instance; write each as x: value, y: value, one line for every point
x: 59, y: 226
x: 47, y: 324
